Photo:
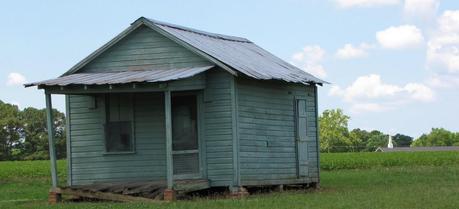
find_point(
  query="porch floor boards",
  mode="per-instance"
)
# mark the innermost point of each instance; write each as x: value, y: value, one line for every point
x: 133, y: 191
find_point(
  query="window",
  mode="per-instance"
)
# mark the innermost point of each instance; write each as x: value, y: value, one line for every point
x: 119, y: 135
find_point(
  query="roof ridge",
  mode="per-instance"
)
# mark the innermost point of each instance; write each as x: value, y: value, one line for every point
x: 201, y: 32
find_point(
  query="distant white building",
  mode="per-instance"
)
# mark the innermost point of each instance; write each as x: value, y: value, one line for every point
x: 389, y: 144
x: 417, y: 149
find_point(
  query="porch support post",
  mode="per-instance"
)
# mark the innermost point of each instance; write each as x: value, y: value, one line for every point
x: 168, y: 119
x: 316, y: 101
x: 52, y: 151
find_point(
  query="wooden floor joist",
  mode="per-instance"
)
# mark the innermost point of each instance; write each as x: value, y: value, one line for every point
x: 105, y: 196
x: 143, y: 191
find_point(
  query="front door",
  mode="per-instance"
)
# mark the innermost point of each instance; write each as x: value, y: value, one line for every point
x: 185, y: 146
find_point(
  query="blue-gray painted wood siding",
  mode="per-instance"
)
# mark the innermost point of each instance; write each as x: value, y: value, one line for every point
x: 90, y: 164
x: 218, y: 128
x: 144, y: 48
x: 267, y: 132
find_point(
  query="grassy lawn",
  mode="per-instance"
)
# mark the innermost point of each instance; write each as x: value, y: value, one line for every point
x: 410, y: 185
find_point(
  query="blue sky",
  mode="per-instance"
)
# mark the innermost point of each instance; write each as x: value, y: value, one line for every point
x: 393, y: 64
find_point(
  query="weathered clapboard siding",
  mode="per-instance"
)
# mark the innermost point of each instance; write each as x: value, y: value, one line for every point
x: 144, y: 49
x: 267, y: 132
x: 218, y: 128
x: 90, y: 164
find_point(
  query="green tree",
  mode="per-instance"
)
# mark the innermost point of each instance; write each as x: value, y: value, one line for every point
x: 36, y: 133
x: 334, y: 133
x: 359, y: 139
x: 23, y: 134
x: 10, y: 131
x: 437, y: 137
x: 376, y: 139
x: 401, y: 140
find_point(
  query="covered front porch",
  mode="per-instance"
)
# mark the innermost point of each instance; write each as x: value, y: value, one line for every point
x: 132, y: 132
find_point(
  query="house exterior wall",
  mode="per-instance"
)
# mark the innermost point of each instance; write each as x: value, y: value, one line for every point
x: 144, y: 48
x: 266, y: 127
x: 247, y: 126
x: 218, y: 132
x: 90, y: 163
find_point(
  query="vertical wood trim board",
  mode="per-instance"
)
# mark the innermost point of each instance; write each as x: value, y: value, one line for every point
x: 68, y: 140
x: 234, y: 116
x: 168, y: 121
x: 316, y: 101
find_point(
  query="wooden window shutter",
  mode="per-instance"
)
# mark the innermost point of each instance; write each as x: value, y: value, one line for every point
x: 301, y: 138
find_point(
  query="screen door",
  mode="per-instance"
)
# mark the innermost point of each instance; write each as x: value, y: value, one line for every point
x: 185, y: 147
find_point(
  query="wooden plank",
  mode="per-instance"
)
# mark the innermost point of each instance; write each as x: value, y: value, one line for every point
x: 52, y: 149
x: 168, y: 122
x: 218, y: 131
x: 88, y: 147
x: 139, y: 46
x: 68, y: 139
x: 106, y: 196
x: 191, y: 185
x: 277, y: 181
x: 267, y: 128
x: 235, y: 132
x: 317, y: 139
x: 99, y: 51
x: 301, y: 140
x: 201, y: 138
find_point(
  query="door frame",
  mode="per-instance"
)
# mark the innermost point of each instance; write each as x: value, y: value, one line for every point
x: 201, y: 143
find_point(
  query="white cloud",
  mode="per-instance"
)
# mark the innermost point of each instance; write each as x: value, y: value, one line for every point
x: 443, y: 51
x: 367, y: 107
x: 351, y: 52
x: 443, y: 46
x: 404, y: 36
x: 425, y: 9
x: 365, y: 3
x: 15, y: 79
x: 419, y: 92
x: 370, y: 86
x: 444, y: 81
x: 370, y: 93
x: 309, y: 59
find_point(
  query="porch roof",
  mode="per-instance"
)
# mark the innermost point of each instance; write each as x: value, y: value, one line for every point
x: 149, y: 76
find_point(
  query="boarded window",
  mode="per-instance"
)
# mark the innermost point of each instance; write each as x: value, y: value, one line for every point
x: 118, y: 128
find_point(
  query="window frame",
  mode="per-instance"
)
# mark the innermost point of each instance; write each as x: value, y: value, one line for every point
x: 131, y: 120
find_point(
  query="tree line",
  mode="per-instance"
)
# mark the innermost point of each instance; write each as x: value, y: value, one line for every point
x: 24, y: 135
x: 336, y: 137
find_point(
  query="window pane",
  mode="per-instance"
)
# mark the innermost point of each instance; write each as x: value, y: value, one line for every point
x: 119, y: 107
x: 184, y: 123
x: 186, y: 163
x: 118, y: 136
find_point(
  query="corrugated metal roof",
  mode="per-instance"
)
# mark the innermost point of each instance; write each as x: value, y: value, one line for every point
x: 229, y: 52
x: 240, y: 54
x: 156, y: 75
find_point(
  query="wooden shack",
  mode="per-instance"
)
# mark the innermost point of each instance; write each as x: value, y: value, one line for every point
x: 167, y: 103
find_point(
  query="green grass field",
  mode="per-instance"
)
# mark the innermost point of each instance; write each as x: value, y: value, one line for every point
x: 348, y: 180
